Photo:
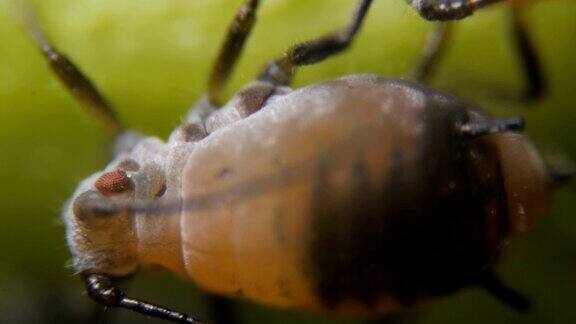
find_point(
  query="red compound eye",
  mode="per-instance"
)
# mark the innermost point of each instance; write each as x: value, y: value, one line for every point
x: 113, y: 182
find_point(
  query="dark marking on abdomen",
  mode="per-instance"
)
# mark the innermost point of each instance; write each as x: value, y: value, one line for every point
x: 418, y: 232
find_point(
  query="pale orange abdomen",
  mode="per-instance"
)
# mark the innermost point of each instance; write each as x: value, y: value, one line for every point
x: 256, y: 242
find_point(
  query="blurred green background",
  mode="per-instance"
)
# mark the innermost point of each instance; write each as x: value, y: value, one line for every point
x: 151, y: 59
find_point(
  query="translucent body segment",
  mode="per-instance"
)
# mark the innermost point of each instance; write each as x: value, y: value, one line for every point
x: 527, y: 182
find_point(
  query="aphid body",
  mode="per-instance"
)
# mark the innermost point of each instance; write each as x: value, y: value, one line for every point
x: 360, y: 194
x: 354, y: 194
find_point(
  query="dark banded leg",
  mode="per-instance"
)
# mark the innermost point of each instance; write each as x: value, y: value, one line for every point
x: 448, y: 9
x: 434, y: 50
x: 71, y: 76
x: 477, y: 129
x: 281, y: 71
x: 101, y: 289
x: 194, y: 128
x: 238, y: 33
x: 531, y: 65
x: 492, y: 284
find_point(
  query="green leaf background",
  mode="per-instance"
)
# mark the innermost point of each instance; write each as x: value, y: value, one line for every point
x: 151, y: 59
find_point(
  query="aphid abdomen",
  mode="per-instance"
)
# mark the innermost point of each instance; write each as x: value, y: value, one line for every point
x: 419, y: 232
x: 367, y: 186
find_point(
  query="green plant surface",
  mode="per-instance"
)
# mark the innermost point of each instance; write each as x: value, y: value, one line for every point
x: 151, y: 59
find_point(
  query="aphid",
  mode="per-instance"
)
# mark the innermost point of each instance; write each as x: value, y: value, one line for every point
x: 438, y: 39
x: 360, y: 194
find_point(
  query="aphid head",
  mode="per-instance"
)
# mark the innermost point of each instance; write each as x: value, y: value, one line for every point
x: 100, y: 224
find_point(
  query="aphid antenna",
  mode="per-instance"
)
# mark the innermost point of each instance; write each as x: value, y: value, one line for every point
x: 102, y: 290
x: 481, y: 128
x: 79, y: 85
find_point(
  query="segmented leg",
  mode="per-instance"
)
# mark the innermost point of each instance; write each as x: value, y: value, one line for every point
x: 238, y: 33
x: 72, y: 77
x: 102, y: 291
x: 222, y: 310
x: 448, y: 9
x: 434, y: 50
x: 439, y: 38
x: 194, y: 128
x: 277, y: 74
x: 281, y: 71
x: 531, y: 66
x: 492, y: 284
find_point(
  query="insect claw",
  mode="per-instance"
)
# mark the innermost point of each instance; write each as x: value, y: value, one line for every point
x: 477, y: 129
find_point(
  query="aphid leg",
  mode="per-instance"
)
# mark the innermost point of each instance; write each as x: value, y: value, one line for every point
x: 102, y: 291
x: 531, y: 66
x: 477, y: 129
x: 222, y: 310
x: 77, y: 82
x: 434, y: 50
x: 448, y: 9
x: 230, y: 51
x: 561, y: 174
x: 238, y: 32
x: 281, y: 71
x: 492, y: 284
